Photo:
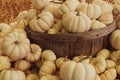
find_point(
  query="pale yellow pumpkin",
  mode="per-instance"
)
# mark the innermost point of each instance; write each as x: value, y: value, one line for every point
x: 79, y: 58
x: 91, y: 10
x: 97, y: 25
x: 12, y: 75
x: 34, y: 54
x: 110, y: 64
x: 64, y: 31
x: 60, y: 61
x: 22, y: 65
x: 104, y: 53
x: 13, y: 24
x: 115, y: 39
x: 19, y: 30
x: 48, y: 67
x: 40, y: 4
x: 22, y: 24
x: 43, y: 23
x: 32, y: 14
x: 52, y: 31
x: 4, y: 63
x: 71, y: 70
x: 118, y: 69
x: 32, y: 77
x: 99, y: 64
x: 76, y: 23
x: 48, y: 55
x: 109, y: 74
x: 105, y: 6
x: 57, y: 25
x: 115, y: 56
x: 117, y: 1
x: 52, y: 7
x: 69, y: 5
x: 21, y: 16
x: 106, y: 18
x: 16, y: 45
x: 49, y: 77
x: 4, y: 29
x: 97, y: 77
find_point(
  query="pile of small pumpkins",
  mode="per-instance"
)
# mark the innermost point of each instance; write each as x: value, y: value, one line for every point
x: 22, y: 60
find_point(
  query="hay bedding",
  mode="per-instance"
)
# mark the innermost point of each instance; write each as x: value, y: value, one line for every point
x: 9, y: 9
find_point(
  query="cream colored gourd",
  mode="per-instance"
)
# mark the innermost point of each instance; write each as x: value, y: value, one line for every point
x: 22, y: 24
x: 40, y: 4
x: 21, y: 16
x: 109, y: 74
x: 71, y: 70
x: 97, y: 25
x: 19, y: 30
x: 12, y: 75
x: 48, y: 55
x: 99, y: 64
x: 16, y: 45
x: 58, y: 25
x: 106, y: 18
x: 76, y: 23
x: 104, y: 53
x: 38, y: 64
x: 115, y: 56
x: 117, y: 1
x: 49, y: 77
x: 64, y: 31
x: 4, y: 63
x: 78, y: 58
x: 110, y: 64
x: 97, y: 77
x: 43, y: 23
x: 4, y: 29
x: 22, y: 65
x: 105, y: 6
x: 48, y: 67
x: 115, y: 39
x: 69, y: 5
x: 34, y: 54
x: 32, y: 14
x: 52, y: 31
x: 60, y: 61
x: 52, y: 7
x: 118, y: 69
x: 91, y: 10
x: 32, y: 77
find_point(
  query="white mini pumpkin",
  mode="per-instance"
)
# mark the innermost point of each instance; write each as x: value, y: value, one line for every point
x: 16, y: 45
x: 76, y: 23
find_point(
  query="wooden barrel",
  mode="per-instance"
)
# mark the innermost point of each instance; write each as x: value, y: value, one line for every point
x: 70, y: 45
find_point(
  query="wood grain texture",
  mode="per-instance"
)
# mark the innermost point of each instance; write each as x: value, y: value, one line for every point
x: 86, y: 43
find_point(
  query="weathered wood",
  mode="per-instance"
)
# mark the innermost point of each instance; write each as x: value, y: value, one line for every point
x: 86, y: 43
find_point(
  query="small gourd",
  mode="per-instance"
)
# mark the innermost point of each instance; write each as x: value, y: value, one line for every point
x: 32, y: 77
x: 4, y: 63
x: 34, y: 54
x: 115, y: 39
x: 22, y: 65
x: 48, y: 55
x: 104, y: 53
x: 48, y: 67
x: 109, y: 74
x: 99, y: 64
x: 110, y: 64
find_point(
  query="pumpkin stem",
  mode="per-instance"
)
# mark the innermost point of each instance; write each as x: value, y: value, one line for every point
x: 84, y: 58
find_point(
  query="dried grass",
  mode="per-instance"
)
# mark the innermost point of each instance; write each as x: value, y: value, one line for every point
x: 9, y: 9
